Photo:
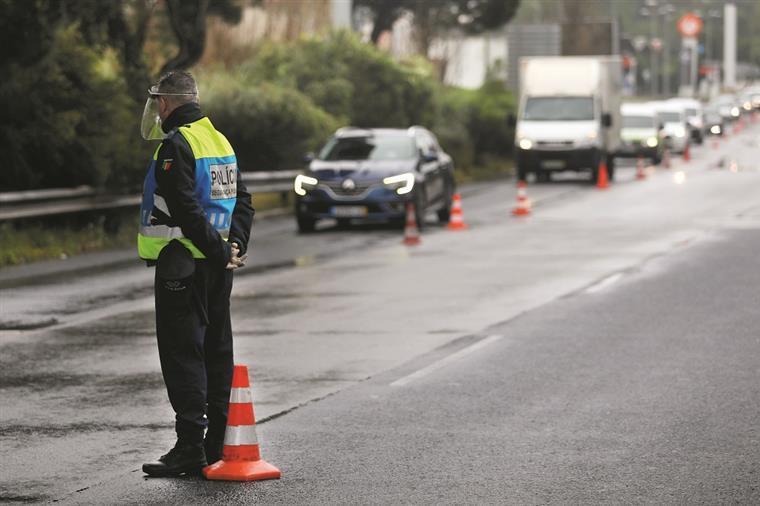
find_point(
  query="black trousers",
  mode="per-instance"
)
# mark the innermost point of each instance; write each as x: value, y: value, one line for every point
x: 195, y: 349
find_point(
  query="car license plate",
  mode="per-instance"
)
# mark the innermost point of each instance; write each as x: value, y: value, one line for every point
x: 349, y: 211
x: 553, y: 164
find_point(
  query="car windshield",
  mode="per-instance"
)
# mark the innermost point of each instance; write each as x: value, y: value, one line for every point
x: 670, y: 117
x: 638, y: 122
x: 559, y: 109
x: 375, y: 147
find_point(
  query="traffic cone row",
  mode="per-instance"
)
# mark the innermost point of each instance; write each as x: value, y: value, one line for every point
x: 241, y: 457
x: 523, y: 202
x: 640, y: 172
x: 411, y: 231
x: 602, y: 180
x: 456, y: 220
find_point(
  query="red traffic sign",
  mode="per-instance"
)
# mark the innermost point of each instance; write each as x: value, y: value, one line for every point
x: 690, y: 25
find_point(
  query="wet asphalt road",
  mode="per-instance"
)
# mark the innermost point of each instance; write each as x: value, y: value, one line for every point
x: 84, y: 405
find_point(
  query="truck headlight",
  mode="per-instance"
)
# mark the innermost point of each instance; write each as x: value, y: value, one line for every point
x: 303, y: 184
x: 403, y: 183
x: 525, y: 144
x: 652, y: 142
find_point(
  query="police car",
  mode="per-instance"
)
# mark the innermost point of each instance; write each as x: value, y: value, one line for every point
x: 371, y: 175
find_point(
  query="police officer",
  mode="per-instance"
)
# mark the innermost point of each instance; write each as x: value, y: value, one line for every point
x: 195, y: 222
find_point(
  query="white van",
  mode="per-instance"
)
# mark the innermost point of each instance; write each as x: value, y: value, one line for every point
x: 675, y: 127
x: 641, y: 135
x: 568, y: 114
x: 695, y: 117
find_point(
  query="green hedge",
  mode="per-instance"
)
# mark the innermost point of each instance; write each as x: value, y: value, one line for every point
x: 70, y: 121
x: 65, y: 122
x: 270, y: 127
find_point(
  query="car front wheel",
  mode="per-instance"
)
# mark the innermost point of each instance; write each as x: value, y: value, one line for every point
x: 305, y: 224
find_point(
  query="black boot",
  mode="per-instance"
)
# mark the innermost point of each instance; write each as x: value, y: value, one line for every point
x: 213, y: 448
x: 184, y: 458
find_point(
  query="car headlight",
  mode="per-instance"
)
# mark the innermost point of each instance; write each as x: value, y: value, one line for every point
x: 304, y: 183
x: 526, y: 144
x: 747, y: 106
x: 735, y: 112
x: 715, y: 129
x: 652, y: 142
x: 680, y: 132
x: 403, y: 183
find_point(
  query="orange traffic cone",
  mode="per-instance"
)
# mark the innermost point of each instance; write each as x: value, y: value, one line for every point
x: 411, y: 232
x: 603, y: 180
x: 686, y: 153
x: 666, y: 158
x: 523, y: 202
x: 640, y: 172
x: 456, y: 221
x: 241, y: 459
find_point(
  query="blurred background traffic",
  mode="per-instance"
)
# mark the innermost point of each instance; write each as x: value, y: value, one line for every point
x: 480, y: 85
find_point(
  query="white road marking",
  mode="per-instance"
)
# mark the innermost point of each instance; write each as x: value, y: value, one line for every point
x: 605, y: 283
x: 445, y: 360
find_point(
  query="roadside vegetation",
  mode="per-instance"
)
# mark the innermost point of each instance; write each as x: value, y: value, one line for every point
x: 77, y: 95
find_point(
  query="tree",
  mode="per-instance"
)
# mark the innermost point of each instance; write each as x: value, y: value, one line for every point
x: 434, y: 16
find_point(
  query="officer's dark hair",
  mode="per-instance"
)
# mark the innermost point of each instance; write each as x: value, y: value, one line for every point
x: 180, y: 82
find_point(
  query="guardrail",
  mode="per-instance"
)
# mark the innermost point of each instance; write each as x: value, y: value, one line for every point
x: 39, y: 203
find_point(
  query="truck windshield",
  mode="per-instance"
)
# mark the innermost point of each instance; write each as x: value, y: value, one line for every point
x: 670, y: 117
x: 559, y: 109
x: 638, y: 122
x: 379, y: 147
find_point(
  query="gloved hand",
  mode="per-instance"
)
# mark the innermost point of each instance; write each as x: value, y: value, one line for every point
x: 236, y: 261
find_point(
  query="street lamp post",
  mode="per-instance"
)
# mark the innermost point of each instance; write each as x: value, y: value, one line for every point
x: 650, y: 11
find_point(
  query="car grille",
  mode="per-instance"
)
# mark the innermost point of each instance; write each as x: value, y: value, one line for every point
x: 555, y: 144
x: 337, y: 188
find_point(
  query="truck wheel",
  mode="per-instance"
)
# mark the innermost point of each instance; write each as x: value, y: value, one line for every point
x: 611, y: 168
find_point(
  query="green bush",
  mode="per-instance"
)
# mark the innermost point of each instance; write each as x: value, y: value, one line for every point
x: 65, y: 123
x: 270, y: 127
x: 472, y: 125
x: 349, y: 79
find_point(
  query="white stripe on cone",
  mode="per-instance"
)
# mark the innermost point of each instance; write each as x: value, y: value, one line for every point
x: 240, y: 396
x: 239, y: 435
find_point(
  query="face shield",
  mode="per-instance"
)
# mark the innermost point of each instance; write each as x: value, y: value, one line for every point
x: 150, y: 125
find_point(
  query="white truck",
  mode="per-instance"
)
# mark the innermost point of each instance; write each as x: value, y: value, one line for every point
x: 568, y: 114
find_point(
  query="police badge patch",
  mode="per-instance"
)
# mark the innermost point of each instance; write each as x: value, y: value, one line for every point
x: 223, y: 181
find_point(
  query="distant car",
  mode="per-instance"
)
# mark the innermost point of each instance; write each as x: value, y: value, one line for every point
x: 371, y: 175
x: 694, y: 116
x: 715, y: 124
x: 675, y: 126
x: 641, y: 133
x: 750, y: 99
x: 728, y: 107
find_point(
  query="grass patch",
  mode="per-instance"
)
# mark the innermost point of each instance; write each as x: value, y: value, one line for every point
x: 29, y: 241
x: 26, y: 242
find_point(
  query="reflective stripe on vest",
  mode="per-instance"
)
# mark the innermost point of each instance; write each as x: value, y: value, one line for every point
x: 215, y: 190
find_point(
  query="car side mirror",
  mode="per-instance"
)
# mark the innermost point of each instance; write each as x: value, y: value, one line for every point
x: 432, y: 156
x: 308, y: 158
x: 511, y: 120
x: 606, y: 120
